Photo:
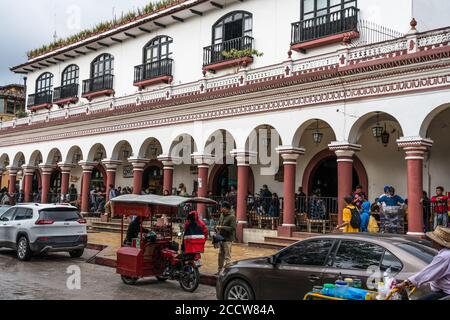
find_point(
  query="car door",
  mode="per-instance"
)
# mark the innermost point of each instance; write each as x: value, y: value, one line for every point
x: 6, y: 228
x: 20, y: 218
x: 356, y: 260
x: 297, y: 270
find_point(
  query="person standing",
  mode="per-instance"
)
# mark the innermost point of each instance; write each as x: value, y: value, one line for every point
x: 351, y: 217
x: 226, y: 228
x: 437, y: 274
x: 426, y: 206
x: 440, y: 208
x: 365, y: 212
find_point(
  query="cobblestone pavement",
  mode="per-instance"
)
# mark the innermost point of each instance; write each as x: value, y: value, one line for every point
x: 45, y: 278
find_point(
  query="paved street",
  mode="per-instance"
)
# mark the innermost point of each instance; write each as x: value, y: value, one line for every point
x: 45, y: 278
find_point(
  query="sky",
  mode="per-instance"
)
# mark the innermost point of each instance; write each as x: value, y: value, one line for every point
x: 26, y: 25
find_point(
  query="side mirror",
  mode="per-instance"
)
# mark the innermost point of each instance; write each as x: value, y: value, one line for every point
x: 4, y: 219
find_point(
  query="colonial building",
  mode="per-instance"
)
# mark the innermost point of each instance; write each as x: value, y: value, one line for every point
x: 226, y: 93
x: 12, y: 101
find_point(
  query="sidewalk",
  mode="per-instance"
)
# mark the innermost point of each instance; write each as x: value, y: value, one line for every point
x: 111, y: 242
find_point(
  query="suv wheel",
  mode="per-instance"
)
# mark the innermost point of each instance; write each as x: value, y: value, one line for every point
x: 76, y: 253
x: 23, y: 249
x: 239, y: 290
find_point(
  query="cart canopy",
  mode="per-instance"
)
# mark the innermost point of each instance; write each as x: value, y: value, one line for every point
x: 150, y: 199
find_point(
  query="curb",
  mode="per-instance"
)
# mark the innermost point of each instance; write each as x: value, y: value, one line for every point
x: 205, y: 279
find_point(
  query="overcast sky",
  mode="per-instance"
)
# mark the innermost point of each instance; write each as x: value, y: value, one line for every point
x: 26, y: 25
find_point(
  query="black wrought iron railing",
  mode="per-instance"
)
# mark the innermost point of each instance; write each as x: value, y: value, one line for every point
x: 344, y: 20
x: 66, y: 92
x: 105, y: 82
x: 40, y: 98
x: 153, y: 70
x: 214, y: 53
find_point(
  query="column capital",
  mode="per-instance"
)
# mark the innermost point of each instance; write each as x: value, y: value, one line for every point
x: 344, y: 150
x: 111, y: 165
x: 29, y: 170
x: 415, y: 143
x: 12, y: 170
x: 290, y: 154
x: 168, y: 161
x: 88, y: 166
x: 244, y: 157
x: 201, y: 159
x: 66, y: 167
x: 138, y: 163
x: 47, y: 169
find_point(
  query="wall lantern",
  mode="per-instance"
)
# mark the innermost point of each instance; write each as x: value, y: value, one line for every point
x: 99, y: 156
x: 377, y: 131
x: 385, y: 137
x: 57, y: 158
x: 77, y: 157
x: 126, y: 154
x: 317, y: 135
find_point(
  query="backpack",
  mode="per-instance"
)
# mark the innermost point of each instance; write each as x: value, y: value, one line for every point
x: 355, y: 222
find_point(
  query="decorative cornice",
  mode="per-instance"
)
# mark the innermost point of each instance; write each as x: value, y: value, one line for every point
x: 201, y: 159
x: 414, y: 142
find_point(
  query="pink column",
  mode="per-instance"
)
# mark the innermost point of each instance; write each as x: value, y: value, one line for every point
x: 290, y: 156
x: 415, y: 151
x: 203, y: 162
x: 138, y: 173
x: 66, y: 169
x: 243, y: 163
x: 111, y: 169
x: 12, y: 179
x: 86, y: 185
x: 344, y: 153
x: 46, y: 175
x: 168, y: 179
x: 28, y: 173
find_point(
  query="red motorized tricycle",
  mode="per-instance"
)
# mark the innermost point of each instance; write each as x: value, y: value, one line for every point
x: 153, y: 252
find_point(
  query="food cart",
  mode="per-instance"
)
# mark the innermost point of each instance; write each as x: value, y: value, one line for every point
x: 155, y: 254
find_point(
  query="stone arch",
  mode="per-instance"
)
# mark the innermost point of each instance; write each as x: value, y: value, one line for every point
x: 97, y: 153
x: 182, y: 148
x: 321, y: 156
x: 36, y: 158
x: 74, y: 155
x: 19, y: 160
x: 368, y: 120
x: 308, y: 124
x: 4, y: 160
x: 219, y: 144
x: 214, y: 176
x: 425, y: 126
x: 54, y: 157
x: 150, y: 149
x: 122, y: 151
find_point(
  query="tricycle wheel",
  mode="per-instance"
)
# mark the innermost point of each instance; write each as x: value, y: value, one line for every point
x: 162, y: 279
x: 129, y: 280
x: 190, y: 279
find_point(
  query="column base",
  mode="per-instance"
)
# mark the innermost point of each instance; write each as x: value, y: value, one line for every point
x: 286, y: 230
x: 240, y: 231
x: 84, y: 214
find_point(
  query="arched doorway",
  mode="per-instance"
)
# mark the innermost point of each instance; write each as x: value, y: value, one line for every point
x: 36, y: 184
x: 321, y: 173
x: 55, y: 185
x: 153, y: 179
x: 224, y: 176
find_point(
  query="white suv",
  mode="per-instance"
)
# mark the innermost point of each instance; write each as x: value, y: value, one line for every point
x: 41, y: 228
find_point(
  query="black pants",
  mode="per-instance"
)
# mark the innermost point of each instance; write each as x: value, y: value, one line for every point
x: 434, y: 296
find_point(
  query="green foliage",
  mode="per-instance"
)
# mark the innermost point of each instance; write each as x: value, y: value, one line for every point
x: 150, y: 8
x: 21, y: 114
x: 236, y: 54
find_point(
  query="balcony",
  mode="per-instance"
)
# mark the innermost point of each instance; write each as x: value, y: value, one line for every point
x: 153, y: 73
x: 40, y: 100
x: 334, y: 27
x: 98, y: 86
x: 214, y: 60
x: 66, y: 94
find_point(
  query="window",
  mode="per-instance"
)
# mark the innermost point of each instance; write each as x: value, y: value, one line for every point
x: 316, y: 8
x: 422, y: 252
x: 11, y: 106
x: 102, y: 65
x: 23, y: 214
x: 158, y: 49
x: 392, y: 262
x: 70, y: 75
x: 2, y: 105
x: 7, y: 216
x: 307, y: 253
x: 234, y: 25
x: 44, y: 83
x: 59, y: 214
x: 357, y: 255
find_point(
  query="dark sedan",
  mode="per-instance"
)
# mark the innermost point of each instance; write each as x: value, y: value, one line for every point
x: 294, y: 271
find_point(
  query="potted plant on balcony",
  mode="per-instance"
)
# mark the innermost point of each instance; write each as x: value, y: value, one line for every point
x: 240, y: 55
